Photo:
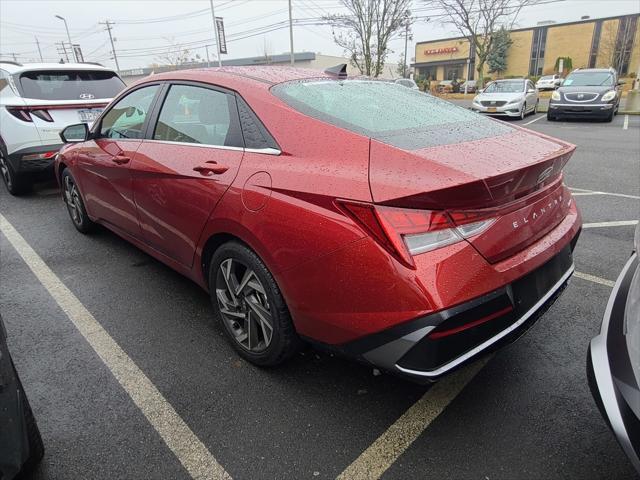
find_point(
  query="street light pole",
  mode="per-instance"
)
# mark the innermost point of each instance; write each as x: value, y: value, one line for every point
x: 215, y: 29
x: 68, y: 36
x: 406, y: 38
x: 291, y: 55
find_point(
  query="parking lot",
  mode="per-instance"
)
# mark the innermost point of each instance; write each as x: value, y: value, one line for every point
x: 129, y: 377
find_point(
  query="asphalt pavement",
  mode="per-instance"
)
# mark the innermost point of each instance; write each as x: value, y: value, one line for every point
x: 526, y: 414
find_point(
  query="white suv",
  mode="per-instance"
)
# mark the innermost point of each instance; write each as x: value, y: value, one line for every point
x: 37, y: 100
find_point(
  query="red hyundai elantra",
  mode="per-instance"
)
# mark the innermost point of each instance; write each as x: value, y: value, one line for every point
x: 357, y: 214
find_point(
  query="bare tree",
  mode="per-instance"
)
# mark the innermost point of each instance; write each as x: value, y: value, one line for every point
x: 477, y: 20
x: 175, y: 54
x: 365, y: 31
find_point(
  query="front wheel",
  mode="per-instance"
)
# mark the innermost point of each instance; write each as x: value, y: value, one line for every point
x: 247, y: 301
x: 75, y: 205
x: 523, y: 112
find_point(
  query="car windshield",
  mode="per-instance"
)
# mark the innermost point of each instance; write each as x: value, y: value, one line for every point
x: 70, y: 84
x: 505, y: 87
x: 589, y: 79
x: 387, y: 112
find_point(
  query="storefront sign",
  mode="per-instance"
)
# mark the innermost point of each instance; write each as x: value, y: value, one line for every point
x: 436, y: 51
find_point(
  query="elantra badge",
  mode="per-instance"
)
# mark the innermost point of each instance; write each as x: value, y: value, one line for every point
x: 87, y: 96
x: 580, y: 96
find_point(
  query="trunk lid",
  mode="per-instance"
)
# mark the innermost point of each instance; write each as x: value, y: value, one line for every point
x: 514, y: 177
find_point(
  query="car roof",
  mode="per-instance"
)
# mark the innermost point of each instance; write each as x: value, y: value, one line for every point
x: 14, y: 67
x: 580, y: 70
x: 510, y: 80
x: 264, y: 75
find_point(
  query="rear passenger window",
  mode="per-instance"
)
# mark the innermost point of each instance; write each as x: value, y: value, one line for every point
x: 200, y: 115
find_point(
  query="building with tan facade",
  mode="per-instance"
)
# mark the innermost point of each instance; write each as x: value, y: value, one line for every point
x: 600, y: 42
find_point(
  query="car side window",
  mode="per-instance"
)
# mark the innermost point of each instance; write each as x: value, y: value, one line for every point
x: 201, y: 115
x: 126, y: 118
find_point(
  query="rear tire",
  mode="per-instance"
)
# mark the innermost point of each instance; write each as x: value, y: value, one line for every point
x: 75, y: 204
x: 249, y: 305
x: 15, y: 183
x: 551, y: 118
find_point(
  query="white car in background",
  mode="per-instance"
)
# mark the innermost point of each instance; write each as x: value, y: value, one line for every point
x: 549, y: 82
x: 515, y: 97
x: 37, y: 100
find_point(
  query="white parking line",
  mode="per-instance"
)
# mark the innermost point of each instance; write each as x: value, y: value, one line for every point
x: 622, y: 223
x: 582, y: 191
x: 382, y: 453
x: 625, y: 125
x: 186, y: 446
x: 593, y: 278
x: 534, y: 120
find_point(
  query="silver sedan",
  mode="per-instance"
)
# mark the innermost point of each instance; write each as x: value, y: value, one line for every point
x: 512, y: 98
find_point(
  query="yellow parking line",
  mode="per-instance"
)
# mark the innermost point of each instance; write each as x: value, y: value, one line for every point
x: 186, y: 446
x: 382, y: 453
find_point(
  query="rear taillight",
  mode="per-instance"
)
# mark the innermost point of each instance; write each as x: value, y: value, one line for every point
x: 24, y: 113
x: 42, y: 115
x: 408, y: 232
x: 20, y: 114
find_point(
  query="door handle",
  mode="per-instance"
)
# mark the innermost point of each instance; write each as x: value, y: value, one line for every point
x: 210, y: 168
x: 120, y: 159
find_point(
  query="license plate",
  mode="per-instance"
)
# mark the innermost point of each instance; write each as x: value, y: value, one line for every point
x: 492, y: 109
x: 90, y: 114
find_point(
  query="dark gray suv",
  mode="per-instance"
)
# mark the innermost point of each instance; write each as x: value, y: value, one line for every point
x: 587, y: 93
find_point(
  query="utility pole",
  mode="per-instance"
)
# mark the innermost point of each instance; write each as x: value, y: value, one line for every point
x: 62, y: 50
x: 206, y: 47
x: 39, y: 51
x: 407, y: 23
x: 291, y: 55
x: 215, y: 30
x: 113, y: 48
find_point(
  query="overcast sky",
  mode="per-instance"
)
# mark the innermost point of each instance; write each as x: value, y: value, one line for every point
x: 144, y: 29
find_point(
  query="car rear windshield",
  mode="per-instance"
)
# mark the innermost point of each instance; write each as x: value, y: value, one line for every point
x: 388, y: 112
x: 514, y: 86
x: 70, y: 84
x: 589, y: 79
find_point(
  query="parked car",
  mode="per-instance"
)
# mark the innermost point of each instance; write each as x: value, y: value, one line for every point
x: 469, y: 85
x: 446, y: 86
x: 613, y: 360
x: 512, y: 98
x: 362, y: 229
x: 407, y: 82
x: 21, y: 447
x: 587, y: 93
x: 549, y: 82
x: 37, y: 100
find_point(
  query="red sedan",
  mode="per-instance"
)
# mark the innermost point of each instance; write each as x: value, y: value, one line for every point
x: 353, y: 213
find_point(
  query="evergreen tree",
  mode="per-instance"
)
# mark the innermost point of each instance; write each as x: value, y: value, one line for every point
x: 497, y: 58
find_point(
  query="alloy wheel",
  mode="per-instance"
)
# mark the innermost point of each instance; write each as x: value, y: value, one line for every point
x: 72, y: 199
x: 244, y: 306
x: 4, y: 171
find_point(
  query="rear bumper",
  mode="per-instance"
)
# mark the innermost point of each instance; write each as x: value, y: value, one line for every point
x: 608, y: 367
x: 32, y: 159
x: 432, y: 346
x: 593, y: 110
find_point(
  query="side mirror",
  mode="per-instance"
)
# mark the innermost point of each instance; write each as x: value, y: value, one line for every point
x: 621, y: 82
x: 76, y: 133
x: 480, y: 90
x: 531, y: 90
